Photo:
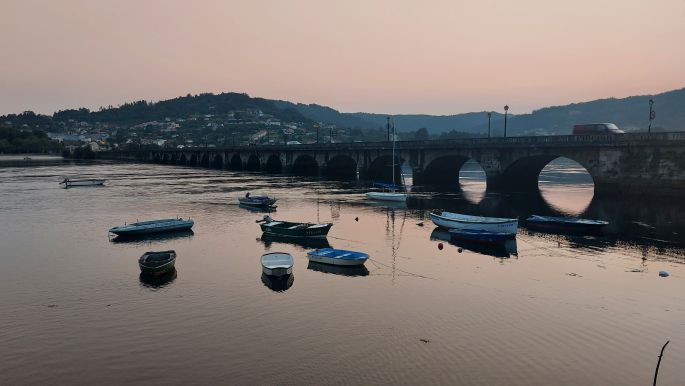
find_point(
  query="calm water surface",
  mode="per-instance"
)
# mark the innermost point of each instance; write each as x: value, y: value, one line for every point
x: 562, y: 310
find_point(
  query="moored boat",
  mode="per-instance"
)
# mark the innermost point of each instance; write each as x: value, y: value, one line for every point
x: 67, y: 182
x: 480, y: 236
x: 265, y: 202
x: 277, y: 264
x: 390, y: 195
x: 565, y: 224
x: 462, y: 221
x: 337, y: 256
x: 157, y: 263
x: 294, y: 229
x: 154, y: 226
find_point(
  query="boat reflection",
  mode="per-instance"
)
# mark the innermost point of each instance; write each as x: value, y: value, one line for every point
x: 157, y: 282
x: 278, y: 283
x: 507, y: 249
x: 304, y: 243
x: 388, y: 204
x: 255, y: 209
x: 153, y: 238
x: 356, y: 270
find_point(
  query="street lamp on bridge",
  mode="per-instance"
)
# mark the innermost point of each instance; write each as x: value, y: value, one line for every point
x: 652, y: 114
x: 506, y: 109
x: 489, y: 115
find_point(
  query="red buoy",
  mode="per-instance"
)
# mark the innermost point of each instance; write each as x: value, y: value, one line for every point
x: 440, y: 246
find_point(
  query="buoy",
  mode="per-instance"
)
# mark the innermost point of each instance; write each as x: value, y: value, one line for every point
x: 356, y: 219
x: 460, y: 250
x: 440, y: 246
x: 663, y: 273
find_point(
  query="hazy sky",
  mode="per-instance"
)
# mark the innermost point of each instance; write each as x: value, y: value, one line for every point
x: 437, y: 57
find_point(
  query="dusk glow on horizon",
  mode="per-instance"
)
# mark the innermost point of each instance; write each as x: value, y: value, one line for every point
x: 437, y: 57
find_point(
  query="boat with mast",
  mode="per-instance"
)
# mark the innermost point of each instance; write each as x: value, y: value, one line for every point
x: 390, y: 192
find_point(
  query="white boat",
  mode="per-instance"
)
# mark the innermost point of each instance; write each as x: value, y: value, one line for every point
x: 337, y: 257
x: 277, y: 264
x: 154, y: 226
x: 389, y: 192
x: 82, y: 182
x: 462, y: 221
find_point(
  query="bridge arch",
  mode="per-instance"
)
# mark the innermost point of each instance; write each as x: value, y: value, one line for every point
x: 218, y: 161
x: 523, y: 174
x: 444, y: 170
x: 341, y: 167
x: 253, y: 164
x: 236, y: 162
x: 274, y: 164
x: 380, y: 169
x: 305, y: 165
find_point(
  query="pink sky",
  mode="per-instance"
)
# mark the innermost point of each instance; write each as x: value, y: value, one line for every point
x: 434, y: 57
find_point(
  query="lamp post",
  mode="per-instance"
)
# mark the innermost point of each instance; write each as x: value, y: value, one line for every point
x: 652, y: 114
x: 506, y: 109
x: 317, y: 134
x: 489, y: 115
x: 387, y: 125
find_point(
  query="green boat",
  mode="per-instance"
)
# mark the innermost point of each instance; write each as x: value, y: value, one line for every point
x: 272, y: 227
x: 157, y: 263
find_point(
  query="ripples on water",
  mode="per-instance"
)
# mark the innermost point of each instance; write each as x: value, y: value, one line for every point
x: 562, y: 310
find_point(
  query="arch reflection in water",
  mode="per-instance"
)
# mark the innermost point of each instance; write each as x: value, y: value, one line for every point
x: 355, y: 270
x: 153, y: 238
x: 302, y: 243
x: 157, y: 282
x: 566, y: 186
x: 507, y: 249
x: 280, y: 283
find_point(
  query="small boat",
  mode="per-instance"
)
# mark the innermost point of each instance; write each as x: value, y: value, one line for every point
x: 157, y: 263
x: 257, y: 201
x: 389, y: 193
x: 342, y: 270
x: 337, y: 256
x: 154, y: 226
x: 462, y: 221
x: 480, y: 236
x: 82, y: 182
x: 277, y: 264
x: 565, y: 224
x: 293, y: 229
x: 27, y: 158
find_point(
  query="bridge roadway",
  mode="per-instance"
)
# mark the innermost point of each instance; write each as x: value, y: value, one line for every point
x: 627, y: 164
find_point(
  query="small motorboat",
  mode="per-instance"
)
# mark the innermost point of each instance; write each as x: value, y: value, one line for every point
x: 462, y: 221
x: 154, y: 226
x: 157, y: 263
x: 565, y: 224
x: 337, y: 256
x: 480, y: 236
x: 293, y: 229
x: 277, y: 264
x: 265, y: 202
x: 67, y: 182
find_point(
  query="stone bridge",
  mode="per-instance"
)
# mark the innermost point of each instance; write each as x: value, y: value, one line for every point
x: 636, y: 163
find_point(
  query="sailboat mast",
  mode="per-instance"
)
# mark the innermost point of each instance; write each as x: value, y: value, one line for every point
x: 393, y: 154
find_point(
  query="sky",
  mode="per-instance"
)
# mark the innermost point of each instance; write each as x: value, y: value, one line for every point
x: 431, y: 57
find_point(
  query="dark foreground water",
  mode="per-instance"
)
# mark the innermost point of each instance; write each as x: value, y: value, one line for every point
x: 561, y: 311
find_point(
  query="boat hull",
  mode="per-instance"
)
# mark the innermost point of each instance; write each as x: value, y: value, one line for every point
x: 292, y: 230
x: 69, y: 184
x: 149, y: 266
x: 277, y: 264
x: 337, y: 257
x: 264, y: 204
x: 509, y: 227
x: 386, y: 196
x: 334, y: 261
x: 147, y: 229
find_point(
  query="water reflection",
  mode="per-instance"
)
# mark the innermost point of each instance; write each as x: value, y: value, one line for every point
x: 157, y: 282
x: 357, y: 270
x: 278, y: 283
x: 254, y: 209
x: 154, y: 238
x: 506, y: 250
x: 304, y: 243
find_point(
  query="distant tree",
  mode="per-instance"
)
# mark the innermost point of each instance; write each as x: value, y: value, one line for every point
x: 421, y: 134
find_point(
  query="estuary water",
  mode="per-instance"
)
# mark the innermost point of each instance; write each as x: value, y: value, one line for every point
x: 549, y: 310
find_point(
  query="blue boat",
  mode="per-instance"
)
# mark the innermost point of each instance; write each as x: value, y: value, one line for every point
x: 480, y: 236
x: 154, y: 226
x: 565, y: 224
x: 337, y: 256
